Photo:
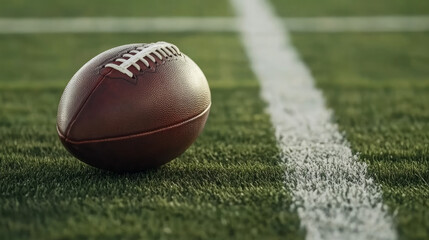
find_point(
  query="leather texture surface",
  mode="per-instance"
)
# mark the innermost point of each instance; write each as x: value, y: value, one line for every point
x: 118, y: 123
x: 82, y: 83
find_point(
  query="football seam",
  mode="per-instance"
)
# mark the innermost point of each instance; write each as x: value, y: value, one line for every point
x: 79, y: 110
x: 82, y: 106
x: 108, y: 139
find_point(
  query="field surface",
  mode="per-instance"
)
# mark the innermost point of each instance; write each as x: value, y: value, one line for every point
x: 230, y: 183
x: 378, y: 86
x: 317, y: 8
x: 380, y: 96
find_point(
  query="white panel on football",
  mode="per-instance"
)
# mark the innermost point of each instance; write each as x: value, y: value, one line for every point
x: 332, y: 192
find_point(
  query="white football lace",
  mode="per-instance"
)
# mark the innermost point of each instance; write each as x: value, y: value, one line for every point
x: 159, y: 49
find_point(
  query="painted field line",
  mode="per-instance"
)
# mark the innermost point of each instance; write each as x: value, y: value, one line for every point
x: 358, y: 24
x: 332, y: 192
x: 112, y: 25
x: 210, y: 24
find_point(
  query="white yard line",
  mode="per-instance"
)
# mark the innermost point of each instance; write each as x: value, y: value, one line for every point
x: 332, y: 192
x: 359, y: 24
x: 112, y: 25
x: 210, y: 24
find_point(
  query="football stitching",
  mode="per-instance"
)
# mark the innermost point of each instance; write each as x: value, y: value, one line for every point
x: 154, y: 70
x: 142, y: 72
x: 161, y: 50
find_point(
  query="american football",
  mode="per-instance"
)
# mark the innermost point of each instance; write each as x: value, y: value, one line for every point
x: 133, y: 107
x: 286, y: 119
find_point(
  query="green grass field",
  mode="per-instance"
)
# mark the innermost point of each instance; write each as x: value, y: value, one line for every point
x: 317, y: 8
x: 378, y: 85
x: 229, y: 184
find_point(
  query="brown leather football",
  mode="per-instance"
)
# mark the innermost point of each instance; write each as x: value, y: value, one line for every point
x: 133, y: 107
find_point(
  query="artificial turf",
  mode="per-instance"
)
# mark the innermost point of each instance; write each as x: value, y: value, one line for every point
x: 228, y: 185
x: 378, y: 86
